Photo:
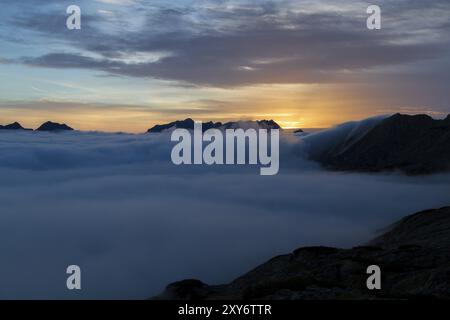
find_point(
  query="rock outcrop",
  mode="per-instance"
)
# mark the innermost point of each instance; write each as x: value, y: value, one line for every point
x: 414, y: 257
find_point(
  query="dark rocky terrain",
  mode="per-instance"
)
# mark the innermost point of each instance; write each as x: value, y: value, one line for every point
x: 54, y: 127
x: 412, y: 144
x: 414, y: 257
x: 189, y: 124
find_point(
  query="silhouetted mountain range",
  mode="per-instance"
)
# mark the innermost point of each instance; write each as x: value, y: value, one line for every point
x: 414, y: 258
x: 189, y: 124
x: 47, y: 126
x: 413, y: 144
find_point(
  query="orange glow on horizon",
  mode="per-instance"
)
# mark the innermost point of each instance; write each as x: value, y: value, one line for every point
x: 291, y: 106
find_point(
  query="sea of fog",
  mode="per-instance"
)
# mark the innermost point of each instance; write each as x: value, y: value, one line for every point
x: 116, y: 206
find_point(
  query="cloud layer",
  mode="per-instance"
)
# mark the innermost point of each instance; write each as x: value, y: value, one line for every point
x: 116, y: 206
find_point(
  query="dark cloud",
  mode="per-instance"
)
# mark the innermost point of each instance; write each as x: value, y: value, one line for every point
x: 249, y: 45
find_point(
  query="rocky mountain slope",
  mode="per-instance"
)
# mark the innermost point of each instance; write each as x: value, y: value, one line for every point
x: 413, y: 144
x: 414, y: 257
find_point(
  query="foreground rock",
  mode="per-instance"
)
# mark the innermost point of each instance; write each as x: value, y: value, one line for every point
x: 189, y: 124
x: 414, y: 257
x: 413, y: 144
x: 54, y: 127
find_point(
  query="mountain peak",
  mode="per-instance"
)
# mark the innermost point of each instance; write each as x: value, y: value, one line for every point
x: 407, y: 117
x: 54, y: 127
x: 13, y: 126
x: 269, y: 123
x: 180, y: 124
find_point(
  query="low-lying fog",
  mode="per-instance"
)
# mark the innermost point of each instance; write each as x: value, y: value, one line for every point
x: 116, y: 206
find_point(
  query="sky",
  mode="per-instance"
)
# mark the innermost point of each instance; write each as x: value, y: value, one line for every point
x: 303, y: 63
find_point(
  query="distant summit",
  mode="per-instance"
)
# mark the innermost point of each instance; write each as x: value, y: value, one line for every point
x: 54, y: 127
x: 189, y: 124
x: 13, y: 126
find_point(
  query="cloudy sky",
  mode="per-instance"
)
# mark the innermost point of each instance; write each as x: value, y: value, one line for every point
x: 302, y: 63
